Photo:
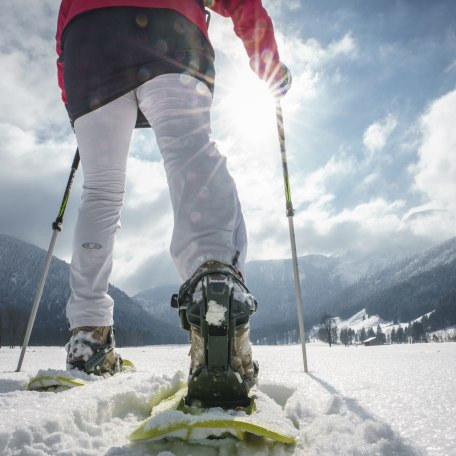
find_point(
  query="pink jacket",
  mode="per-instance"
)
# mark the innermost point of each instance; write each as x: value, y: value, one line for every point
x: 251, y: 23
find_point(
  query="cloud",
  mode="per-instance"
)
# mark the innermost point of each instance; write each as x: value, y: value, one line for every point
x: 276, y: 8
x: 451, y: 67
x: 30, y: 94
x: 388, y: 226
x: 33, y: 175
x: 315, y: 186
x: 312, y: 64
x: 376, y: 135
x: 435, y: 171
x: 373, y: 228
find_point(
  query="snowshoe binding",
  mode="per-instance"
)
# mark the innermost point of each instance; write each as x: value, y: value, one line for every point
x: 215, y: 306
x: 91, y: 349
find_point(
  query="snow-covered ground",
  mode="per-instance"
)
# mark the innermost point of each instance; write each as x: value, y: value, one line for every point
x: 360, y: 401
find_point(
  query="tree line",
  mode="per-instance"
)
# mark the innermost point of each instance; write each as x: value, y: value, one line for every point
x: 421, y: 331
x: 13, y: 322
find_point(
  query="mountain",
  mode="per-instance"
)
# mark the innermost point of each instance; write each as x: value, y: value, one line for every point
x: 341, y: 286
x: 157, y: 301
x: 271, y: 282
x: 405, y: 290
x: 21, y: 265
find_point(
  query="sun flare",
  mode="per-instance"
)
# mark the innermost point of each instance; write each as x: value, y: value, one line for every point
x: 248, y: 109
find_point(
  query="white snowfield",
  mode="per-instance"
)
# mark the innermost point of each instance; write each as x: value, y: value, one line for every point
x: 360, y: 401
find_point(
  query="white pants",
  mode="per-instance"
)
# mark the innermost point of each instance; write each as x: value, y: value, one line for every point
x: 208, y: 222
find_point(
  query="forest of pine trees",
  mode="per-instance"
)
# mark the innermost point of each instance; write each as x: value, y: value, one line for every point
x: 416, y: 332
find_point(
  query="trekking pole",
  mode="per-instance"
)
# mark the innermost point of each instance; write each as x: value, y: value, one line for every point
x: 290, y: 214
x: 57, y: 227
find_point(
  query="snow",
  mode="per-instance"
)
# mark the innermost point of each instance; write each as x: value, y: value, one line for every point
x: 394, y: 400
x: 215, y: 314
x: 356, y: 322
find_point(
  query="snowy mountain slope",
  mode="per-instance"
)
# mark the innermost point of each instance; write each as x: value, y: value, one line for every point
x: 361, y: 320
x: 405, y: 290
x: 271, y: 282
x: 440, y: 256
x: 357, y: 401
x: 402, y: 291
x: 157, y: 301
x: 21, y: 265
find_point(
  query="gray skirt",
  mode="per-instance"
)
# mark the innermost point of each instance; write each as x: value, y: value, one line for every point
x: 108, y: 52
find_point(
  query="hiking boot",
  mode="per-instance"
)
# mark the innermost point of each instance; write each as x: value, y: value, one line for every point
x: 91, y: 349
x: 215, y: 306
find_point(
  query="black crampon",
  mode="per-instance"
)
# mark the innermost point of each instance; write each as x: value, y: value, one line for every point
x: 216, y: 312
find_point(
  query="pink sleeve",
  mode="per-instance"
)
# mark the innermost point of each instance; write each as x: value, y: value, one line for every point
x: 64, y: 6
x: 254, y: 27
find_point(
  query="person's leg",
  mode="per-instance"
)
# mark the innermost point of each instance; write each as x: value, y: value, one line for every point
x: 103, y: 138
x: 208, y: 222
x: 209, y: 241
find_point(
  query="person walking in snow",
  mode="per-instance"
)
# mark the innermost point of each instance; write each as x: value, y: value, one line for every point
x: 138, y: 63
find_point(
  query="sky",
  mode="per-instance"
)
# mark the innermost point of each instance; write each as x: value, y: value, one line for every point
x: 369, y: 124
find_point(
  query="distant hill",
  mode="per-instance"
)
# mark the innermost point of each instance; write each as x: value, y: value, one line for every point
x: 271, y: 282
x: 20, y: 269
x: 401, y: 291
x: 342, y: 286
x: 405, y: 290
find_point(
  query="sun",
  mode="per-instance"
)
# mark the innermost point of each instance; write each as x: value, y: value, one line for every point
x: 248, y: 108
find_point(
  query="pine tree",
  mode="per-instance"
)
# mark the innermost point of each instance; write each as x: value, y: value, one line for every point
x: 418, y: 333
x: 362, y: 337
x: 344, y: 336
x: 393, y: 336
x: 426, y: 324
x: 400, y: 335
x: 380, y: 335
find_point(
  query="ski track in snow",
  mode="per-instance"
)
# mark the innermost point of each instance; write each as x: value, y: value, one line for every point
x: 361, y: 401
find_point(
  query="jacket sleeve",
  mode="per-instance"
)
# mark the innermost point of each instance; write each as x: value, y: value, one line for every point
x: 64, y: 6
x: 254, y: 27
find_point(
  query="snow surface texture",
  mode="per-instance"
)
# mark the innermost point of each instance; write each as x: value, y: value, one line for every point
x: 215, y: 314
x: 362, y: 401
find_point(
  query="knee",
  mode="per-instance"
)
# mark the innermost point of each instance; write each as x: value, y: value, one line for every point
x: 112, y: 194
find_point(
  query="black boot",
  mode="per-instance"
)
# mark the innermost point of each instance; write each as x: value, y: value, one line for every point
x: 215, y: 306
